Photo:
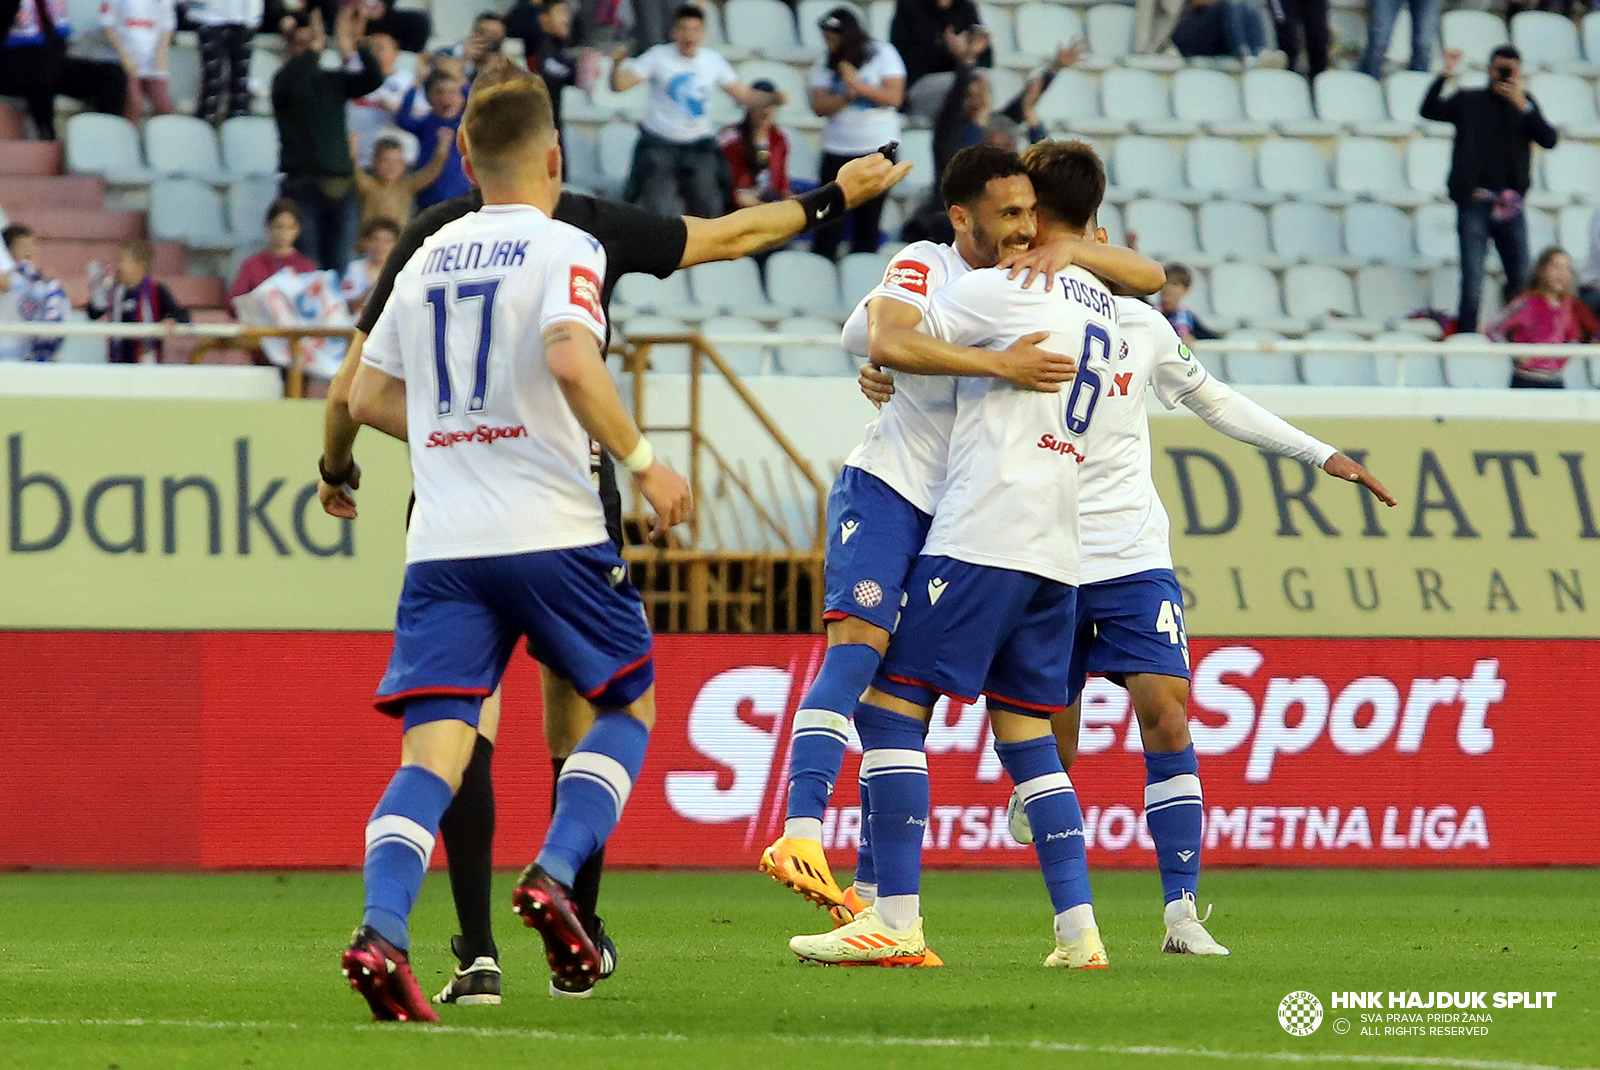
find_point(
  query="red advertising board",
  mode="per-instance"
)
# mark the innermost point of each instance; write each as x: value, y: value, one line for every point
x: 243, y: 749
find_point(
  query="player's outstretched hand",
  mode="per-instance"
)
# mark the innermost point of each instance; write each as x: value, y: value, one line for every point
x: 1026, y: 365
x: 1343, y: 467
x: 338, y: 501
x: 866, y: 177
x: 1046, y: 262
x: 876, y: 384
x: 668, y: 494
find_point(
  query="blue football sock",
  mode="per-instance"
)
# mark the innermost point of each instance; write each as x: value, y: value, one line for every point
x: 1173, y: 811
x: 866, y: 868
x: 1052, y: 805
x: 400, y: 835
x: 590, y: 793
x: 816, y: 749
x: 895, y: 766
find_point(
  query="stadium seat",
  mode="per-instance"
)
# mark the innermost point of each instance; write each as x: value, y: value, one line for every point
x: 1476, y: 33
x: 616, y: 141
x: 764, y: 26
x: 1548, y: 41
x: 1147, y: 166
x: 1591, y: 36
x: 1567, y: 101
x: 743, y: 359
x: 1428, y: 165
x: 1572, y: 171
x: 1321, y: 295
x: 1380, y: 234
x: 880, y: 16
x: 811, y: 12
x: 795, y: 112
x: 1373, y: 167
x: 581, y: 154
x: 1250, y: 368
x: 249, y: 145
x: 1436, y: 233
x: 1233, y: 231
x: 646, y: 293
x: 1222, y: 166
x: 182, y: 146
x: 859, y: 273
x: 812, y: 359
x: 1387, y: 295
x: 1407, y: 369
x: 1166, y: 230
x: 1355, y: 101
x: 1542, y: 233
x: 1134, y: 99
x: 1282, y: 100
x: 1247, y: 294
x: 1043, y: 28
x: 667, y: 359
x: 1002, y: 35
x: 1404, y: 90
x: 1337, y: 369
x: 1309, y: 233
x: 728, y: 286
x: 264, y: 66
x: 916, y: 147
x: 606, y: 105
x: 108, y: 146
x: 1574, y: 226
x: 1071, y: 102
x: 1476, y: 371
x: 183, y: 77
x: 1109, y: 28
x: 1110, y: 217
x: 1298, y: 169
x: 183, y: 209
x: 804, y: 282
x: 248, y: 201
x: 1444, y: 292
x: 1211, y: 98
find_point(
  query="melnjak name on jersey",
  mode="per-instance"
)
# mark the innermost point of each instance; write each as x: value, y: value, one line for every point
x: 471, y: 255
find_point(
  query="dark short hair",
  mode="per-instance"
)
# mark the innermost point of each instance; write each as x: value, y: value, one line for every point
x: 487, y: 16
x: 1068, y: 178
x: 279, y: 207
x: 1505, y: 52
x: 13, y: 232
x: 387, y: 144
x: 377, y: 223
x: 1179, y: 275
x: 688, y: 11
x: 436, y: 78
x: 970, y: 171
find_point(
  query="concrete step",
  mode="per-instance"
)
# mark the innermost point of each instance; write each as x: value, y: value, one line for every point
x: 192, y: 291
x: 82, y: 223
x: 68, y: 258
x: 51, y: 191
x: 30, y: 157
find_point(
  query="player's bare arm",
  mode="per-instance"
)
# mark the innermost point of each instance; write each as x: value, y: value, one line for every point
x: 574, y: 359
x: 378, y: 399
x: 750, y: 230
x: 895, y: 342
x: 1123, y: 270
x: 340, y: 472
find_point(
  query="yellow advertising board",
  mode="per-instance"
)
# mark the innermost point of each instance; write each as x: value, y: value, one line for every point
x: 190, y: 514
x: 1496, y: 532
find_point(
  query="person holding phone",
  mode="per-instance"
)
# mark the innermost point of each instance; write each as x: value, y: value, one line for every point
x: 1490, y: 168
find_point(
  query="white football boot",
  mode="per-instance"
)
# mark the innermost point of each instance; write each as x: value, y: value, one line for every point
x: 866, y: 941
x: 1087, y: 952
x: 1186, y: 930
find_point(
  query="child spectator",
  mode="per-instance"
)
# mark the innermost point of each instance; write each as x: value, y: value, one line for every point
x: 1183, y: 320
x: 131, y: 295
x: 758, y: 153
x: 446, y: 95
x: 1546, y: 312
x: 388, y: 190
x: 377, y: 241
x: 26, y: 294
x: 283, y: 230
x: 225, y: 28
x: 140, y: 35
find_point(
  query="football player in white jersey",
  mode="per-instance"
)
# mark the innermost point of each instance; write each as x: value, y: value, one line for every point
x: 1130, y: 607
x: 881, y: 504
x: 995, y: 589
x: 487, y: 360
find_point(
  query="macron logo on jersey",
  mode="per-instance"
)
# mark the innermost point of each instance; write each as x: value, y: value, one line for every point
x: 908, y: 275
x: 1055, y: 445
x: 936, y: 588
x: 584, y: 289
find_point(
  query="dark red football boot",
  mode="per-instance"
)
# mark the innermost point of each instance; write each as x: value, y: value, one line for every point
x: 381, y: 972
x: 546, y: 905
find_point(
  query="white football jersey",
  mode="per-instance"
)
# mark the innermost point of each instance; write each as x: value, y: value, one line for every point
x: 1125, y: 527
x: 906, y: 445
x: 1011, y: 494
x: 499, y: 462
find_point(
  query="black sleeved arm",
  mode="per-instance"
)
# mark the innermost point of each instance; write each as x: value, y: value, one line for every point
x: 1539, y: 130
x: 635, y: 240
x: 1438, y: 108
x: 411, y: 239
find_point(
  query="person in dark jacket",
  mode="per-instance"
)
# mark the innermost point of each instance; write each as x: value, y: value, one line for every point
x: 314, y: 143
x: 1490, y: 167
x: 918, y: 34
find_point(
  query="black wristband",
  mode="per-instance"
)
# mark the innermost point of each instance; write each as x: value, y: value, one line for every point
x: 336, y: 479
x: 822, y: 206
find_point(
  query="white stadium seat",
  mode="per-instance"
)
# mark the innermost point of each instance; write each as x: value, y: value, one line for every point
x: 1140, y: 100
x: 1337, y: 369
x: 1308, y: 233
x: 1428, y: 165
x: 1355, y: 101
x: 1436, y: 233
x: 1387, y: 295
x: 1591, y: 36
x: 646, y: 293
x: 1404, y: 90
x: 1211, y: 98
x: 1282, y: 100
x: 1248, y: 368
x: 743, y: 359
x: 1043, y: 28
x: 765, y: 26
x: 1373, y: 167
x: 1547, y: 41
x: 1379, y: 234
x: 1165, y: 228
x: 185, y: 147
x: 1574, y: 227
x: 1542, y: 234
x: 1476, y: 371
x: 249, y: 145
x: 1476, y: 33
x: 1224, y: 167
x: 1233, y: 231
x: 1297, y: 168
x: 1110, y: 31
x: 804, y: 282
x: 1407, y: 369
x: 1246, y: 293
x: 1567, y: 101
x: 665, y: 357
x: 1146, y: 165
x: 728, y: 286
x: 859, y: 273
x: 1572, y: 170
x: 248, y: 201
x: 183, y: 209
x: 108, y: 146
x: 616, y: 142
x: 1316, y: 294
x: 813, y: 360
x: 1068, y: 102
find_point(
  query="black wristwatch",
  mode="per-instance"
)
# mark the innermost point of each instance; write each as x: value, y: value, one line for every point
x: 337, y: 479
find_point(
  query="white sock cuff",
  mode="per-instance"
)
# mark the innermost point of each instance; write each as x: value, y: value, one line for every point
x: 898, y: 912
x: 603, y: 770
x: 1184, y: 786
x: 885, y: 760
x: 1041, y: 786
x: 397, y: 828
x: 826, y: 722
x: 803, y: 828
x: 1071, y: 922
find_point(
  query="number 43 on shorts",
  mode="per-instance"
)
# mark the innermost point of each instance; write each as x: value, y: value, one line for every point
x: 1170, y: 620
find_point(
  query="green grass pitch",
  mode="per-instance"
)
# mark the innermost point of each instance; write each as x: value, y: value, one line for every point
x: 240, y: 970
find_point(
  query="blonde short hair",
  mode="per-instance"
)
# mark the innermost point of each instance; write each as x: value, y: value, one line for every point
x: 506, y: 113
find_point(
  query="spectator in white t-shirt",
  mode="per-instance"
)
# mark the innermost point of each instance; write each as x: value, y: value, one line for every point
x: 858, y: 88
x: 373, y: 116
x: 139, y: 33
x: 678, y: 168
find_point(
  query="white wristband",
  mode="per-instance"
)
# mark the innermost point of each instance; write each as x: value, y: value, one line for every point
x: 642, y: 457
